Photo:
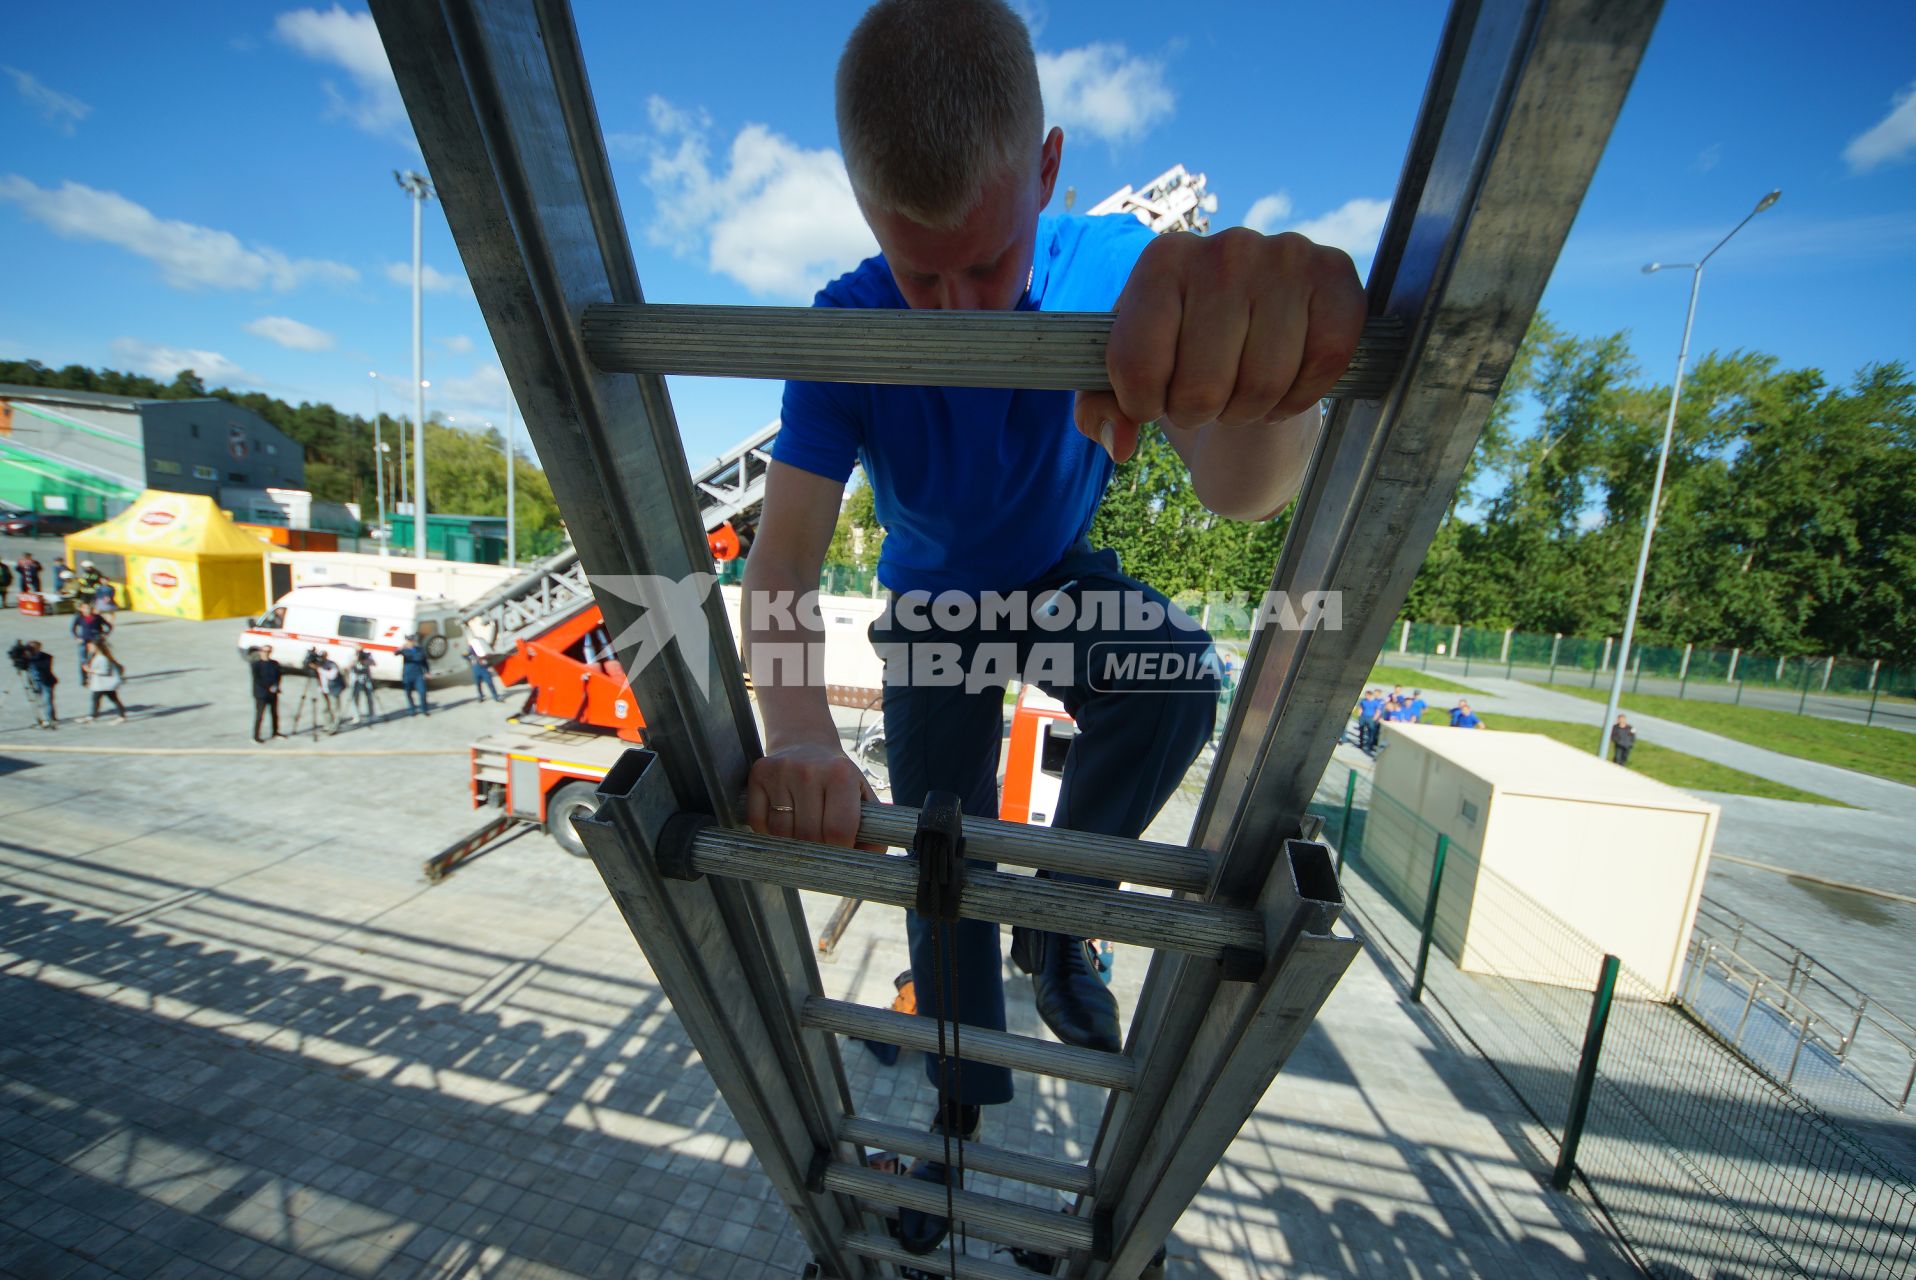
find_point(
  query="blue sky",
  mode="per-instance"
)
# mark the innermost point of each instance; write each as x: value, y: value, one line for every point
x: 211, y: 184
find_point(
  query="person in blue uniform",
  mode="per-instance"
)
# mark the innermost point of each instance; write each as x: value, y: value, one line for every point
x: 1225, y: 342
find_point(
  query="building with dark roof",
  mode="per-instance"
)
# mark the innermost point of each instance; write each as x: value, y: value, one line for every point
x: 85, y: 455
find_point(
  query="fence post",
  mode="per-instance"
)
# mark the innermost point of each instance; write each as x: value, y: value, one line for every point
x: 1803, y: 701
x: 1735, y: 653
x: 1683, y: 676
x: 1637, y: 667
x: 1603, y: 663
x: 1430, y: 920
x: 1870, y: 719
x: 1403, y: 639
x: 1586, y: 1074
x: 1876, y: 664
x: 1739, y: 693
x: 1505, y: 656
x: 1829, y: 668
x: 1344, y: 830
x: 1555, y: 643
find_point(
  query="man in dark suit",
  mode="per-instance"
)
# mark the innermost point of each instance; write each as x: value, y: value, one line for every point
x: 265, y: 691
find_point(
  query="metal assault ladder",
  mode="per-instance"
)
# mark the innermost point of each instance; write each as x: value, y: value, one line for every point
x: 1520, y: 102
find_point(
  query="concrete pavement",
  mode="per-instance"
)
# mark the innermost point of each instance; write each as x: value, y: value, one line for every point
x: 246, y: 1038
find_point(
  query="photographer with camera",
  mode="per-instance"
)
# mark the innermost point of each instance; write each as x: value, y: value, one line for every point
x: 35, y: 666
x: 331, y: 679
x: 265, y: 691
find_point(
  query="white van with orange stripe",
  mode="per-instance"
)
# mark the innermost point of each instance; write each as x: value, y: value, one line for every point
x: 338, y: 620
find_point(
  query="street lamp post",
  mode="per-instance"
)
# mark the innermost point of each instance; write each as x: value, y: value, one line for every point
x: 1663, y: 462
x: 416, y: 186
x: 512, y: 515
x: 379, y: 464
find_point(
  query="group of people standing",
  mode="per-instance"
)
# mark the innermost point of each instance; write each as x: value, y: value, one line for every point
x: 101, y: 672
x: 338, y: 682
x: 87, y: 586
x: 1376, y: 707
x: 334, y: 684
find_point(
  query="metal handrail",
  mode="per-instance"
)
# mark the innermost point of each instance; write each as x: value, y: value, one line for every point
x: 1788, y: 995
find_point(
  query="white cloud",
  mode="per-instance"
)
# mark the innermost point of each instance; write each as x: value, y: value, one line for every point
x: 1353, y: 226
x: 1104, y: 91
x: 188, y: 256
x: 777, y: 218
x: 61, y: 110
x: 1269, y: 212
x: 431, y: 278
x: 1890, y: 139
x: 290, y: 333
x: 350, y: 42
x: 459, y: 344
x: 158, y: 360
x: 484, y: 390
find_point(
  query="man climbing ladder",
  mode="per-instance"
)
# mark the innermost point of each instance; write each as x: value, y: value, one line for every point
x: 1226, y: 343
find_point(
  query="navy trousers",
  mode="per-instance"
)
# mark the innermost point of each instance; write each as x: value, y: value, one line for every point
x: 1136, y: 737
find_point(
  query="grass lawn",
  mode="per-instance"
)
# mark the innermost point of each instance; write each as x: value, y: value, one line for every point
x: 1412, y: 678
x: 1886, y: 753
x: 1673, y: 767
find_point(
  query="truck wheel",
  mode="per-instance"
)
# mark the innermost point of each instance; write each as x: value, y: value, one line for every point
x: 570, y: 799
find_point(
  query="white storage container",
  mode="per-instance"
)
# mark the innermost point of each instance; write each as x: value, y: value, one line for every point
x: 1618, y: 857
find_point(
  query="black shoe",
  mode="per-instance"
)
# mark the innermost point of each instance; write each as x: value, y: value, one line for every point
x: 919, y: 1232
x: 1073, y: 1001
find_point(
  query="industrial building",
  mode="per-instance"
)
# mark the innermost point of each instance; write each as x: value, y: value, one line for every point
x: 88, y: 456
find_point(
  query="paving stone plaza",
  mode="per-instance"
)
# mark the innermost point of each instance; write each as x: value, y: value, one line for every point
x: 243, y: 1036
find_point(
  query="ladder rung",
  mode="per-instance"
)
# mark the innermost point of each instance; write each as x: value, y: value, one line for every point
x: 1055, y: 350
x: 935, y: 1263
x: 1000, y: 1048
x: 1037, y: 1170
x: 1166, y: 866
x: 1085, y: 911
x: 1047, y: 1230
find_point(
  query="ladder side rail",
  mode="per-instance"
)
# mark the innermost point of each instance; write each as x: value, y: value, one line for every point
x: 1519, y: 105
x: 700, y: 956
x: 497, y: 94
x: 1243, y: 1038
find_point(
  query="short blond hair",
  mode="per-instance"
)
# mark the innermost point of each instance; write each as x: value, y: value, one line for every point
x: 935, y: 98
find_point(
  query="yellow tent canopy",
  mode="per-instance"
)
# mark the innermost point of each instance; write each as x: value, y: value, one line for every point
x: 177, y: 554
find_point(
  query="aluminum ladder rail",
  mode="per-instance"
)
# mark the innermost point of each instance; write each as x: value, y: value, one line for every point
x: 1519, y: 105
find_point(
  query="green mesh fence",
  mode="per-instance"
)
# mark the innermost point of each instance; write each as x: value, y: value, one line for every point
x: 1866, y: 689
x: 1704, y: 1164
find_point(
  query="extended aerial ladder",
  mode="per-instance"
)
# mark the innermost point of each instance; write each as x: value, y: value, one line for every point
x: 1520, y: 102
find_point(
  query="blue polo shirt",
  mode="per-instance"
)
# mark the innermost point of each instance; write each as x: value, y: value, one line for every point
x: 978, y: 489
x: 1463, y: 719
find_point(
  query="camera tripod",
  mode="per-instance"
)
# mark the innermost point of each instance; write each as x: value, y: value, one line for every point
x: 311, y: 695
